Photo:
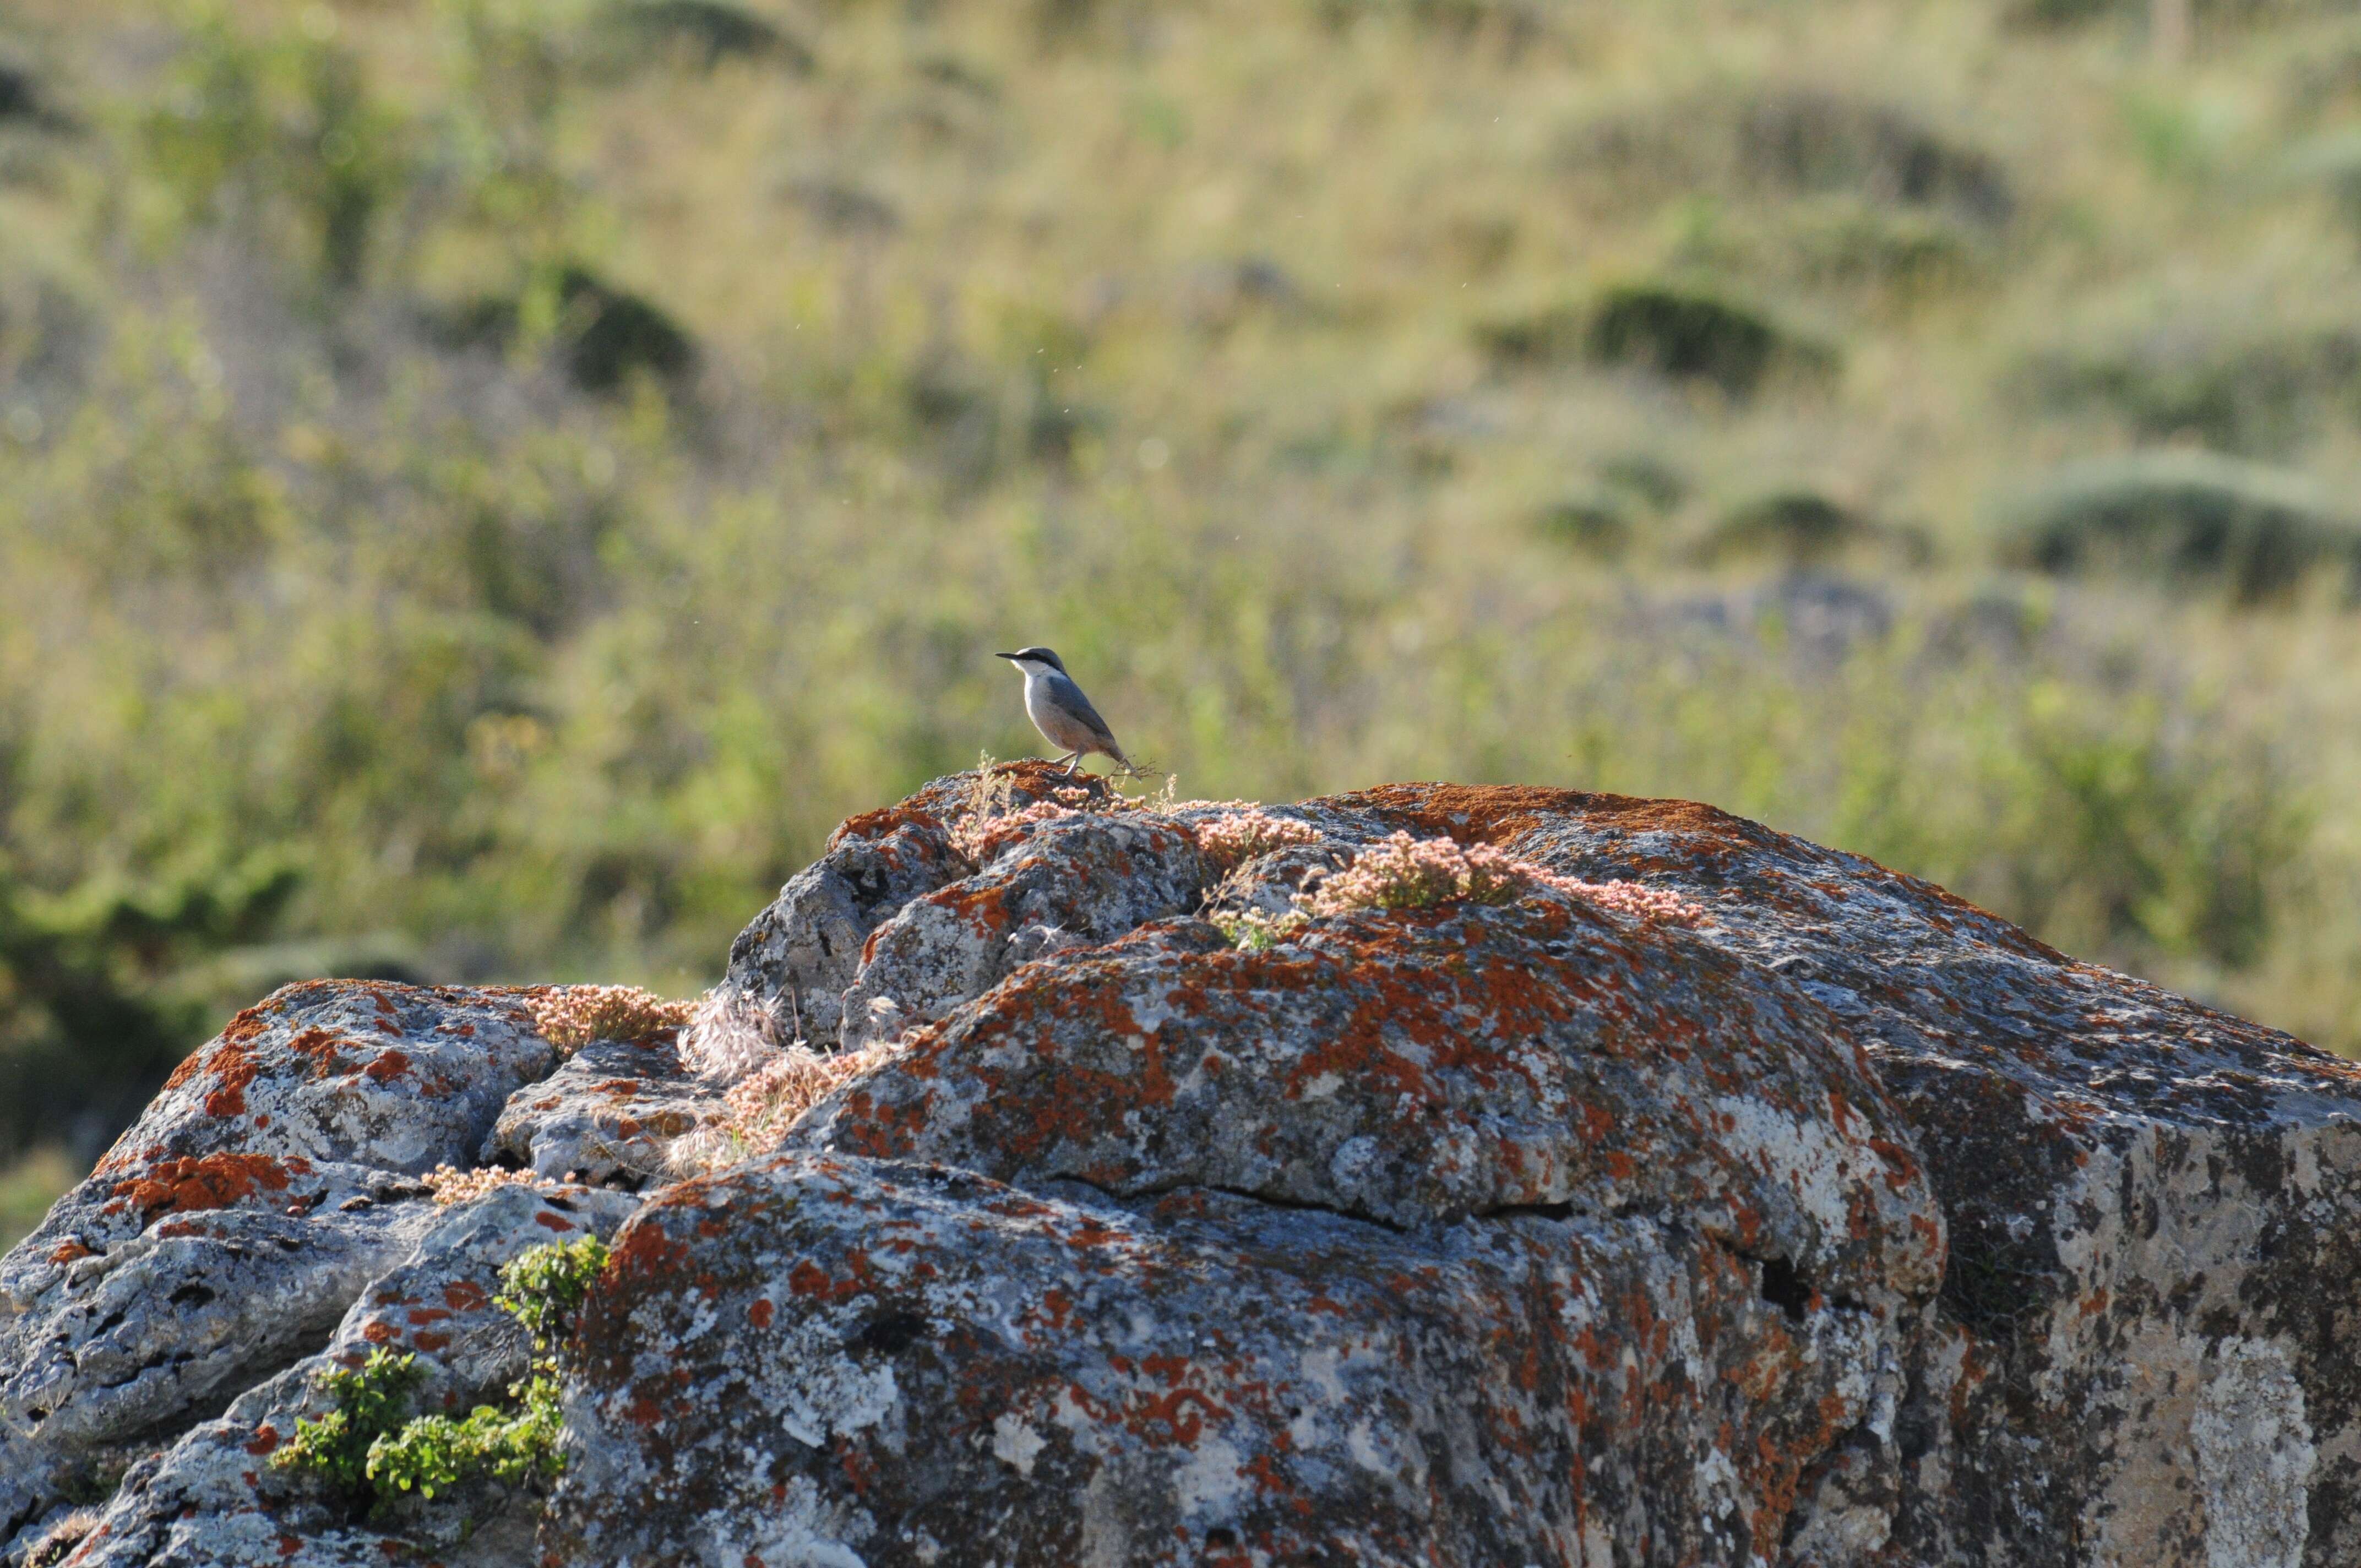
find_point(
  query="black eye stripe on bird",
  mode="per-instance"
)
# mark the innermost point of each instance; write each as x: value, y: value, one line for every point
x: 1062, y: 713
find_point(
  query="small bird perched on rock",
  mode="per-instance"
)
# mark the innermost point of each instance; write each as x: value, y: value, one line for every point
x: 1060, y: 712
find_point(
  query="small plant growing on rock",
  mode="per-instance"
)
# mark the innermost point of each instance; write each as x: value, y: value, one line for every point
x: 570, y: 1016
x: 1255, y: 932
x: 453, y: 1186
x: 368, y: 1446
x: 979, y: 839
x: 764, y: 1105
x: 370, y: 1399
x: 1416, y: 874
x: 1403, y: 872
x: 542, y: 1288
x: 1235, y: 838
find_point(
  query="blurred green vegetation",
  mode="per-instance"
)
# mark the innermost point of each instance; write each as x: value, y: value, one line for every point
x: 484, y: 484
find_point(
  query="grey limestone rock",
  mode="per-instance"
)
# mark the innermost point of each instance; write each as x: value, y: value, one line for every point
x: 1819, y: 1220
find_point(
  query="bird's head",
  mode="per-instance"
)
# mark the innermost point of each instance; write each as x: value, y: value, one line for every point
x: 1035, y: 661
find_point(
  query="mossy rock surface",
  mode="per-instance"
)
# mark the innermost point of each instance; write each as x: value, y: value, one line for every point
x: 2194, y: 518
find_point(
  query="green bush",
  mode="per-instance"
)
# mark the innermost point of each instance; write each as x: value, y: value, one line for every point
x: 710, y: 31
x: 1800, y: 528
x: 2223, y: 383
x: 372, y: 1401
x: 2193, y: 518
x: 1693, y: 334
x: 370, y: 1448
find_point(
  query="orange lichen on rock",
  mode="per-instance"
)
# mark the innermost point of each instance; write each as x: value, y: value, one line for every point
x: 211, y: 1181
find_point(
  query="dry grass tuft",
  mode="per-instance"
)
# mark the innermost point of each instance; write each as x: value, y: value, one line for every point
x: 732, y: 1035
x: 570, y: 1016
x: 453, y: 1186
x: 764, y: 1106
x: 57, y: 1542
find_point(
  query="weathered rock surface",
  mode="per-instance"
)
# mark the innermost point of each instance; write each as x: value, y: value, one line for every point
x: 868, y: 1362
x: 214, y: 1498
x: 797, y: 956
x: 1084, y: 879
x: 2154, y: 1208
x: 228, y: 1230
x: 610, y: 1114
x: 1833, y: 1223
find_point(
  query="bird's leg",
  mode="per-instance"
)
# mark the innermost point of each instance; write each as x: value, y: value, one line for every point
x: 1072, y: 760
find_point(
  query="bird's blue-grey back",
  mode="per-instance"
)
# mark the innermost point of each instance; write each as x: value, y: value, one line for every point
x: 1059, y: 688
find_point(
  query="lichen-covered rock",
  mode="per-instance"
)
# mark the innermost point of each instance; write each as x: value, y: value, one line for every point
x: 215, y: 1499
x: 611, y: 1113
x: 1822, y: 1220
x: 226, y: 1232
x: 817, y: 1360
x: 797, y: 956
x: 2154, y: 1208
x: 1417, y: 1068
x: 1083, y: 879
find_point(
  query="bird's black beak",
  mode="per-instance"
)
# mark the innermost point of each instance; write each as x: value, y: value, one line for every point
x: 1004, y: 655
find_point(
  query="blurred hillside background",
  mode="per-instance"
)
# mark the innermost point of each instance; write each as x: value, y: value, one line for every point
x: 484, y: 484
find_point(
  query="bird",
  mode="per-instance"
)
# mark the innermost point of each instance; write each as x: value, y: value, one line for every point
x: 1060, y: 712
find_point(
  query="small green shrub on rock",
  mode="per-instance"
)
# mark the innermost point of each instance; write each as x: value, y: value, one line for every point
x: 372, y: 1449
x: 370, y: 1399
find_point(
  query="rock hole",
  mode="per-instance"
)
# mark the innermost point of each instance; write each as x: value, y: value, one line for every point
x: 191, y: 1294
x: 890, y: 1334
x: 1221, y: 1538
x: 1784, y: 1289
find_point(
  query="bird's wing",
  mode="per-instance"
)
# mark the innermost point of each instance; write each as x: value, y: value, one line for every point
x: 1070, y: 698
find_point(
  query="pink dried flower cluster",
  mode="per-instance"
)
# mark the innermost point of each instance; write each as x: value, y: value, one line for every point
x: 452, y: 1186
x: 1403, y: 872
x: 980, y: 838
x: 571, y: 1016
x: 1635, y: 899
x: 1235, y: 838
x: 764, y: 1106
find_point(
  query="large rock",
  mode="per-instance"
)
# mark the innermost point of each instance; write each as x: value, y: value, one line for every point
x: 795, y: 958
x: 215, y: 1499
x: 817, y: 1360
x: 228, y: 1230
x: 1825, y: 1220
x: 2147, y: 1347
